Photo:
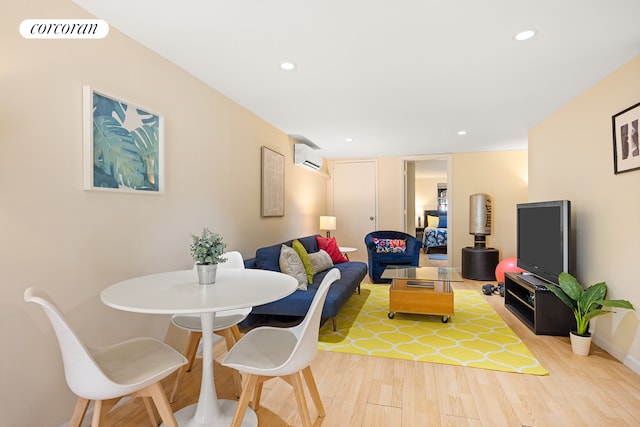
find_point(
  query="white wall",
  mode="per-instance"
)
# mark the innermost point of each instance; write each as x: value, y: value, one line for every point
x: 74, y: 243
x: 571, y: 157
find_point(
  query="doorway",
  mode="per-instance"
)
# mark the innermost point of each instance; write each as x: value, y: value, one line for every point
x: 427, y: 188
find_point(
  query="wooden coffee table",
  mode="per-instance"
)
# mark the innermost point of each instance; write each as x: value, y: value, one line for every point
x: 421, y: 290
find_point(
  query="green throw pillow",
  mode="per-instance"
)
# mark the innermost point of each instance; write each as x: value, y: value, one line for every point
x: 304, y: 256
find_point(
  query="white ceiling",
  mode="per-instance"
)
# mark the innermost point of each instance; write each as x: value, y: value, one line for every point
x: 400, y: 78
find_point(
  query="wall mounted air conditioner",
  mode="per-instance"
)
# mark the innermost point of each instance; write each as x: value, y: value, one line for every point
x: 307, y: 157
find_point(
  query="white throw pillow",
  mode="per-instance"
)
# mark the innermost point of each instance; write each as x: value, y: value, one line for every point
x: 320, y: 261
x: 291, y: 264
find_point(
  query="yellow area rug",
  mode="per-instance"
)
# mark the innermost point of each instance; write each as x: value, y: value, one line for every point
x: 476, y: 336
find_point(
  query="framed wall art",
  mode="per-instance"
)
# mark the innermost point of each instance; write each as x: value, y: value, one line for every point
x: 272, y: 195
x: 123, y: 145
x: 626, y: 152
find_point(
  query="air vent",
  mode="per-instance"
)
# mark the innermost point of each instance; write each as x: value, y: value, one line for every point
x: 307, y: 157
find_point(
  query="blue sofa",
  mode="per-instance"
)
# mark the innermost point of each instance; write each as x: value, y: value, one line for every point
x: 298, y: 303
x: 378, y: 261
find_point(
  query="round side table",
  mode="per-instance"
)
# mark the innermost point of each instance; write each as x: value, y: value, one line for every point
x: 346, y: 250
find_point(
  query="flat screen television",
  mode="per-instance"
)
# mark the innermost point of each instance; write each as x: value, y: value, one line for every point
x: 544, y: 246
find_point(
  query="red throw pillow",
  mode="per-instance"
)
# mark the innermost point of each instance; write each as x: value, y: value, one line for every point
x: 329, y: 244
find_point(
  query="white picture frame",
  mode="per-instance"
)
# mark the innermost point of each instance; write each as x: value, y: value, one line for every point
x: 123, y: 145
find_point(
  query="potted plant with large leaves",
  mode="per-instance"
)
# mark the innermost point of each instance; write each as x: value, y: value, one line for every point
x: 585, y: 304
x: 207, y: 251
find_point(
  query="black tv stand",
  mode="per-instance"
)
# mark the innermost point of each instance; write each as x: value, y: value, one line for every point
x: 534, y: 281
x: 527, y: 297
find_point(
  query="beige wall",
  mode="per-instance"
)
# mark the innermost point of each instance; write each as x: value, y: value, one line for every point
x: 74, y: 243
x: 503, y: 175
x: 410, y: 207
x: 426, y: 193
x: 571, y: 157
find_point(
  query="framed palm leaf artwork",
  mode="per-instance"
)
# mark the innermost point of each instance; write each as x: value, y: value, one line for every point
x: 123, y: 145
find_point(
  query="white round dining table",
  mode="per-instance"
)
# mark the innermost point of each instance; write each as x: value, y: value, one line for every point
x: 179, y: 292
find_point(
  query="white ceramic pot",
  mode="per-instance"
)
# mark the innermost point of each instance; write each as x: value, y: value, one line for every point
x: 207, y: 273
x: 580, y: 345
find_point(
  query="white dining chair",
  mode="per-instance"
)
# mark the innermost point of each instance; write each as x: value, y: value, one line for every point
x: 267, y: 352
x: 225, y: 325
x: 104, y: 375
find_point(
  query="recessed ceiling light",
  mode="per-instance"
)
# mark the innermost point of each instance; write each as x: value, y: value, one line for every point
x: 348, y: 139
x: 525, y: 35
x: 288, y: 66
x: 462, y: 132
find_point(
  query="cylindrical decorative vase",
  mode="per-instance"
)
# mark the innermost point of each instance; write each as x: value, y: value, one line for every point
x: 580, y: 345
x: 207, y: 273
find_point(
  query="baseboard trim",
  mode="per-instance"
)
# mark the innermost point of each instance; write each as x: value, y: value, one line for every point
x: 625, y: 358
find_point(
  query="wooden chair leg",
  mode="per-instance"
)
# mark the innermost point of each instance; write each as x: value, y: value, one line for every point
x: 176, y: 383
x: 257, y: 393
x: 148, y: 405
x: 100, y: 409
x: 313, y: 390
x: 296, y: 381
x: 98, y: 414
x: 78, y: 412
x: 191, y: 348
x: 237, y: 382
x: 241, y: 409
x: 236, y: 332
x: 229, y: 339
x: 156, y: 392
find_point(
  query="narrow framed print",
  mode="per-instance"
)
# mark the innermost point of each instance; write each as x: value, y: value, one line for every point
x: 123, y: 145
x: 626, y: 152
x: 272, y: 195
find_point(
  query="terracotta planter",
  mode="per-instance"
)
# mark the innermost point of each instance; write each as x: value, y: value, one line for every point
x: 207, y: 273
x: 580, y: 344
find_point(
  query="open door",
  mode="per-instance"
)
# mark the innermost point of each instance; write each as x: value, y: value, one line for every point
x: 429, y: 189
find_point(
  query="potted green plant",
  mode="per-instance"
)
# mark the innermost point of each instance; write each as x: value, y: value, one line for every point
x: 585, y: 304
x: 207, y: 251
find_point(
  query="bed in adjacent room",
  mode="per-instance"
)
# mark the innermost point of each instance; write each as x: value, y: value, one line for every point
x: 435, y: 232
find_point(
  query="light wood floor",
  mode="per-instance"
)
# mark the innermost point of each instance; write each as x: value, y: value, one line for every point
x: 370, y: 391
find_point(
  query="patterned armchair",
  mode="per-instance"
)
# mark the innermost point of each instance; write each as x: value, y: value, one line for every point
x: 390, y: 248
